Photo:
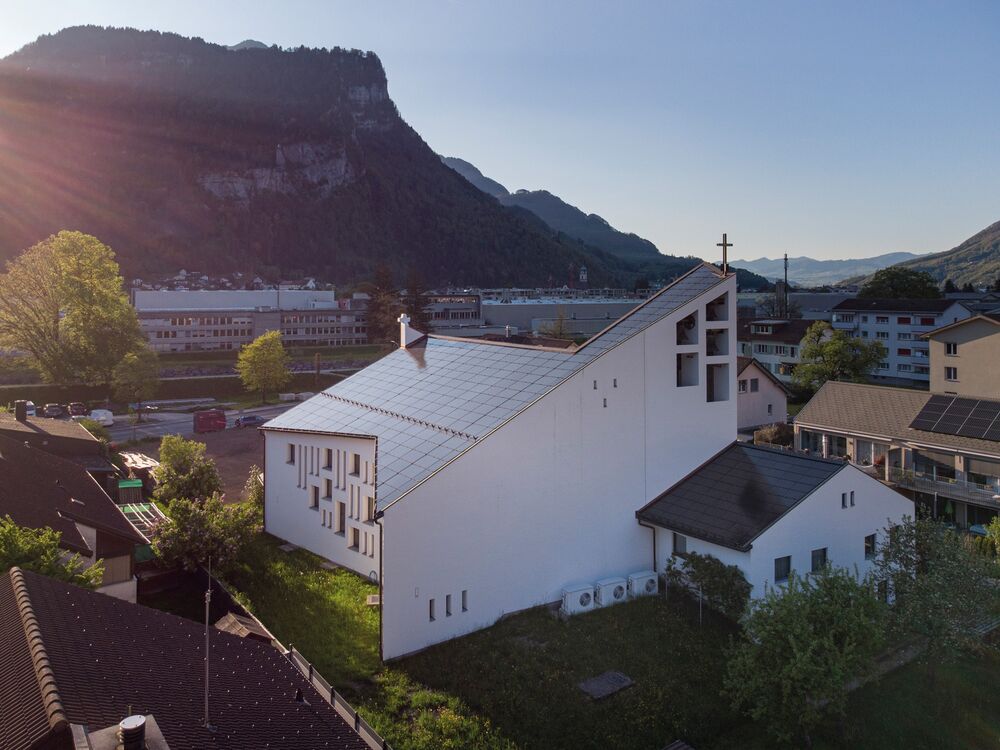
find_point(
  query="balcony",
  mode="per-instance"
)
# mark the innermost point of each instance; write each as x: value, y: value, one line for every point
x: 845, y: 323
x: 957, y: 489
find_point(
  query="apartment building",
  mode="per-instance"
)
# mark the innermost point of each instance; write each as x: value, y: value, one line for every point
x: 942, y: 450
x: 898, y: 324
x: 203, y: 320
x: 965, y: 356
x: 775, y: 344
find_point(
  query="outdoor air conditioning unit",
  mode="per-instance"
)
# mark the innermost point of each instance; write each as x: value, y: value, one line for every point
x: 610, y: 591
x: 643, y: 583
x: 577, y: 599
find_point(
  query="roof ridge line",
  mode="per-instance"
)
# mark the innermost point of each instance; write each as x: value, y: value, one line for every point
x: 404, y: 417
x: 39, y: 657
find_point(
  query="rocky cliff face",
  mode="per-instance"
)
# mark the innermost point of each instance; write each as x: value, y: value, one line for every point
x: 180, y: 153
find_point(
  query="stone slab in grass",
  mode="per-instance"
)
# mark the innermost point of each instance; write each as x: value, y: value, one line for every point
x: 373, y: 600
x: 289, y: 547
x: 605, y: 685
x: 327, y: 565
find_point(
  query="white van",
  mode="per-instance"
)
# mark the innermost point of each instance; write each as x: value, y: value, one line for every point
x: 103, y: 417
x: 30, y: 407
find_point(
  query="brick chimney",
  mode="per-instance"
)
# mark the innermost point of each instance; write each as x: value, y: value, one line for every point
x: 407, y: 335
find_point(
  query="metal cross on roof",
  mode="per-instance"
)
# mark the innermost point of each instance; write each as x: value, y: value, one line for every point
x: 725, y: 245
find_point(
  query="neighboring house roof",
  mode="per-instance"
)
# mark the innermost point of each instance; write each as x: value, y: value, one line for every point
x: 738, y: 493
x: 860, y: 304
x: 743, y: 363
x: 38, y: 489
x: 242, y: 626
x: 991, y: 317
x: 435, y: 399
x: 38, y: 430
x: 73, y: 656
x: 880, y: 411
x: 782, y: 332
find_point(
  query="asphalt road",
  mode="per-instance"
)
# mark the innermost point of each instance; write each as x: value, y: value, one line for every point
x: 169, y: 423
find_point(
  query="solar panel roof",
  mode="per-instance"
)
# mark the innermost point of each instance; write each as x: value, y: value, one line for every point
x: 433, y: 400
x: 957, y: 415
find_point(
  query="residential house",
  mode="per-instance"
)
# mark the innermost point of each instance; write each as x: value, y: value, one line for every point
x: 475, y: 478
x: 965, y: 356
x: 940, y: 449
x: 775, y: 344
x: 761, y: 398
x: 40, y: 490
x: 63, y: 438
x: 80, y: 667
x: 771, y: 512
x: 898, y: 325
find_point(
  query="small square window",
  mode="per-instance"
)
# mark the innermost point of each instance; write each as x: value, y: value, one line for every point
x: 951, y: 373
x: 782, y: 569
x: 680, y: 544
x: 870, y: 547
x: 951, y: 349
x: 743, y: 386
x: 818, y: 559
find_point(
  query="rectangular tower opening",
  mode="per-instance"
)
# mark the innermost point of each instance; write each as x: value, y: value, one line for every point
x: 717, y: 383
x: 687, y: 370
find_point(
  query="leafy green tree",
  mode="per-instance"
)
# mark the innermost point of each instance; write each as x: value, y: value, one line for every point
x: 559, y: 328
x: 197, y: 530
x: 137, y: 377
x: 263, y: 364
x: 415, y: 303
x: 773, y: 306
x: 253, y: 490
x: 38, y: 550
x: 899, y: 282
x: 723, y: 587
x: 96, y: 429
x: 799, y: 650
x: 993, y: 533
x: 62, y: 303
x: 833, y: 355
x: 185, y: 472
x: 383, y: 308
x: 940, y: 588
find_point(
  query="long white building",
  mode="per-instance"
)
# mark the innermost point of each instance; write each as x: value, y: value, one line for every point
x: 473, y: 479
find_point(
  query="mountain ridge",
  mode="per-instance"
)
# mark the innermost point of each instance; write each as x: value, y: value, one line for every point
x: 806, y: 271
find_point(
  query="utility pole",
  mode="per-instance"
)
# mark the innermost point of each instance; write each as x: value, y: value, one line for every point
x: 208, y: 599
x: 784, y: 301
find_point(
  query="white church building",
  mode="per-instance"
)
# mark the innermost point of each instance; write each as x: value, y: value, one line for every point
x: 474, y: 478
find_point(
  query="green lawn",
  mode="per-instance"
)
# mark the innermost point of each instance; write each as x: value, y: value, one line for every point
x: 514, y: 685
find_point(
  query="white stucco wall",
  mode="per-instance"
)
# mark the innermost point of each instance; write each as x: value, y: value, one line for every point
x: 752, y: 407
x: 288, y: 491
x: 549, y: 499
x: 818, y: 521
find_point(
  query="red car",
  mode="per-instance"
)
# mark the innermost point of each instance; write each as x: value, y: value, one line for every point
x: 209, y: 420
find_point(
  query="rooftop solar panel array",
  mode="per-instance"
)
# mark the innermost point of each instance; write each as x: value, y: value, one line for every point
x: 956, y: 415
x: 428, y: 403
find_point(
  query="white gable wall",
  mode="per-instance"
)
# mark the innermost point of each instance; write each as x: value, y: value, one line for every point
x: 819, y: 521
x: 549, y: 499
x: 288, y: 488
x: 752, y: 407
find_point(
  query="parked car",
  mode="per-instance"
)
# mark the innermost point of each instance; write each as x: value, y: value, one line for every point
x: 52, y: 410
x: 30, y: 406
x: 78, y: 409
x: 103, y: 417
x: 250, y: 420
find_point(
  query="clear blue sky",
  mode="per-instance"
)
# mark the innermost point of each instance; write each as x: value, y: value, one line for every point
x: 832, y: 129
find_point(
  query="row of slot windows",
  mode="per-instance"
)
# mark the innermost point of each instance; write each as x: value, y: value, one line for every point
x: 432, y: 605
x: 360, y: 541
x: 351, y: 463
x: 367, y: 508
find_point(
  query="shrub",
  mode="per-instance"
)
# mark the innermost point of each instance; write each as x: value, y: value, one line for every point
x: 185, y: 472
x: 778, y: 434
x: 722, y: 587
x: 38, y: 550
x: 197, y: 531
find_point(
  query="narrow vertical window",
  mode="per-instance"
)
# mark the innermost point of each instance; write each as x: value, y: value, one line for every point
x: 843, y: 499
x: 291, y: 453
x: 465, y: 600
x: 852, y: 498
x: 447, y: 605
x: 430, y: 610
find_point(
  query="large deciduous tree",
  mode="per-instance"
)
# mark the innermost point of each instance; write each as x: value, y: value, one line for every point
x: 136, y: 378
x: 195, y: 532
x: 940, y: 587
x: 263, y: 364
x: 833, y: 355
x: 899, y: 282
x: 62, y: 303
x: 38, y: 550
x: 800, y: 649
x: 185, y: 471
x: 415, y: 303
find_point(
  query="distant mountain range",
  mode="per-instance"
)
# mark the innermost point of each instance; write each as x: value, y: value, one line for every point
x: 976, y: 261
x: 591, y: 229
x: 805, y: 271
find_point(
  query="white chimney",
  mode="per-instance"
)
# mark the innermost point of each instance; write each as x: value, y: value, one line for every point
x: 407, y: 335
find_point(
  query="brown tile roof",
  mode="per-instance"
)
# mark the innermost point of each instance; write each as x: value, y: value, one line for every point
x: 38, y: 490
x: 880, y: 411
x: 784, y: 331
x: 96, y: 656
